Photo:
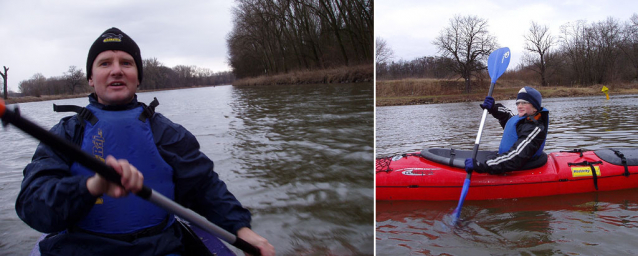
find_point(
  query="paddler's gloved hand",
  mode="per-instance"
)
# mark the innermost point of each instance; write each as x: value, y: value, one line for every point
x: 469, y: 165
x: 488, y: 103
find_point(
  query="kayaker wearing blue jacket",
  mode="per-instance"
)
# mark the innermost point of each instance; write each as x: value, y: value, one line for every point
x: 87, y: 215
x: 523, y: 136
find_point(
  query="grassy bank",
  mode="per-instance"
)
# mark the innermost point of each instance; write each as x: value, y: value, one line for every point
x: 351, y: 74
x: 426, y: 91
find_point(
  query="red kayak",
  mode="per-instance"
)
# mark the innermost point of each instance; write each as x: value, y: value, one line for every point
x: 438, y: 174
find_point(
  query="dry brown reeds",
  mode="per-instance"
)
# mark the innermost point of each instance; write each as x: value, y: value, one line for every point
x: 351, y: 74
x: 424, y: 91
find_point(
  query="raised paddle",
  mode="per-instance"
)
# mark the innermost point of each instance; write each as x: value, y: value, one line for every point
x: 74, y: 152
x: 496, y: 65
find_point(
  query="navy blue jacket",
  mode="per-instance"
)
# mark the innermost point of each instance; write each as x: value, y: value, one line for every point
x: 51, y: 200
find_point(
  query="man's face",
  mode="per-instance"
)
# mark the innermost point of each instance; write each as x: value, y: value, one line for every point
x: 114, y: 77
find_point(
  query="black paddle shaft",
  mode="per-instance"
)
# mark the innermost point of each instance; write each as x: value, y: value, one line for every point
x: 78, y: 155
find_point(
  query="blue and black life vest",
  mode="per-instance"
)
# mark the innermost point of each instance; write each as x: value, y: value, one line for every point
x: 124, y: 134
x: 510, y: 135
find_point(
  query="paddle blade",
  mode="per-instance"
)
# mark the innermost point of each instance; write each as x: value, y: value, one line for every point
x: 457, y: 212
x: 497, y: 62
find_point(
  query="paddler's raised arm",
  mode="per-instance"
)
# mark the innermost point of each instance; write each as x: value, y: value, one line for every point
x: 498, y: 110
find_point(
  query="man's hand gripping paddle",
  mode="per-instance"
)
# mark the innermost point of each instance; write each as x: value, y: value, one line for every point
x: 496, y: 65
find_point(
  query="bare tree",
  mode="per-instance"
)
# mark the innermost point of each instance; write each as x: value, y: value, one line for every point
x: 421, y: 67
x: 34, y: 86
x: 271, y: 37
x: 4, y: 78
x: 384, y: 52
x: 592, y: 50
x: 538, y: 41
x: 153, y: 78
x: 74, y: 77
x: 383, y: 55
x: 185, y: 74
x: 607, y: 39
x: 466, y: 41
x: 629, y: 44
x: 577, y: 45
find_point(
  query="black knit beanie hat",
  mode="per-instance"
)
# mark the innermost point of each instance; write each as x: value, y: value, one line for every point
x: 114, y: 39
x: 530, y: 95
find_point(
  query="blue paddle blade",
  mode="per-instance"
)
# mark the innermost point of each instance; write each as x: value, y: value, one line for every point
x: 457, y: 212
x: 497, y: 62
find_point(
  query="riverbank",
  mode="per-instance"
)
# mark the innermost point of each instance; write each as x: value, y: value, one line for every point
x: 346, y: 74
x: 351, y: 74
x: 428, y: 91
x: 14, y: 100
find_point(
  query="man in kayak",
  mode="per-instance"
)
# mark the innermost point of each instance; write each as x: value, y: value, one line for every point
x: 87, y: 215
x: 523, y: 136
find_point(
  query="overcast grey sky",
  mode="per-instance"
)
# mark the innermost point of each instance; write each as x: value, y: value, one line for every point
x: 49, y: 36
x: 410, y: 26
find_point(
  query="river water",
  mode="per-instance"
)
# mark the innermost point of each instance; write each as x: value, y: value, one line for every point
x: 299, y: 157
x: 602, y: 223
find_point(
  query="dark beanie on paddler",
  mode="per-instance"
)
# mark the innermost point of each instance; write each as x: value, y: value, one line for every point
x: 531, y: 95
x: 114, y: 39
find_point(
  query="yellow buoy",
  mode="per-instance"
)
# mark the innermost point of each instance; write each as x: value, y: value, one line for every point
x: 606, y: 91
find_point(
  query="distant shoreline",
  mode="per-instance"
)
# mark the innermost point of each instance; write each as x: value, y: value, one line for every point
x: 433, y: 91
x: 25, y: 99
x: 344, y: 74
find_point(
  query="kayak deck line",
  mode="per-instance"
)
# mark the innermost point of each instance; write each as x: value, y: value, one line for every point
x: 508, y: 184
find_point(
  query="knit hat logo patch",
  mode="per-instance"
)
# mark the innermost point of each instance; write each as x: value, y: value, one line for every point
x: 112, y: 38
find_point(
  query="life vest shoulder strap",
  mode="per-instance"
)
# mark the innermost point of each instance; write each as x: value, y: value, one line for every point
x: 149, y: 110
x: 83, y: 113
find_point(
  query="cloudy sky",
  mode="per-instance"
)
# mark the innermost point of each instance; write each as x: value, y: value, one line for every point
x: 49, y: 36
x: 410, y: 26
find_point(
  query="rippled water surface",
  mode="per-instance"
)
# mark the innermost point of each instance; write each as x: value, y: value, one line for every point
x: 602, y: 223
x: 299, y: 157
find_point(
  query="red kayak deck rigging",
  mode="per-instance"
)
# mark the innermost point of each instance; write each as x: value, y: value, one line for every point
x: 413, y: 177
